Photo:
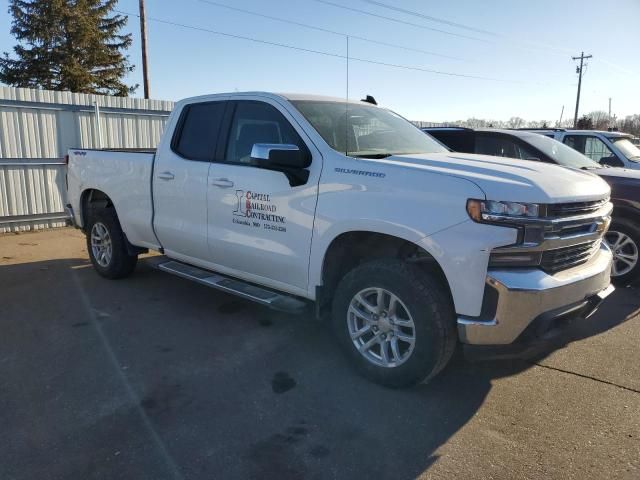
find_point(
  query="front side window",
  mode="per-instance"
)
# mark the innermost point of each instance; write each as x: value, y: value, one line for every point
x: 198, y: 131
x: 590, y: 146
x: 258, y: 122
x: 365, y: 131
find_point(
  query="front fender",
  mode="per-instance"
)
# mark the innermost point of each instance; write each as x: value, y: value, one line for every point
x: 404, y: 203
x: 462, y: 252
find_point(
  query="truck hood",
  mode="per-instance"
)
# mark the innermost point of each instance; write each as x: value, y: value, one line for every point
x: 617, y: 172
x: 511, y: 179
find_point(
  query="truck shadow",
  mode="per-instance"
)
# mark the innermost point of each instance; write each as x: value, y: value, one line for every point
x: 232, y: 390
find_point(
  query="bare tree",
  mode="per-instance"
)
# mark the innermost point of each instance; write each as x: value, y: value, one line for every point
x: 600, y: 119
x: 515, y: 122
x: 630, y: 124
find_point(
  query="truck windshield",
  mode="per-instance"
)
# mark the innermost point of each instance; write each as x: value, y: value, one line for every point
x: 627, y: 148
x: 365, y: 131
x: 560, y: 153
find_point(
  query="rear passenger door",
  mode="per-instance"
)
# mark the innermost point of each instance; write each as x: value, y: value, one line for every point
x: 260, y: 225
x: 180, y: 185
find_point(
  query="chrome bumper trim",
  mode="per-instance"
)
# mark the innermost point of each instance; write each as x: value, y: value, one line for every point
x: 526, y: 294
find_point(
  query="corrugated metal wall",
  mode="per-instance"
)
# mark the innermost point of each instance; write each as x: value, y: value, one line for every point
x: 37, y: 127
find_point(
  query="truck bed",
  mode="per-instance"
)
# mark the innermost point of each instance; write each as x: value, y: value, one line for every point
x: 126, y: 175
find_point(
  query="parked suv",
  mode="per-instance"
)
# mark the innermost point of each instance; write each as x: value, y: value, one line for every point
x: 624, y: 234
x: 615, y: 149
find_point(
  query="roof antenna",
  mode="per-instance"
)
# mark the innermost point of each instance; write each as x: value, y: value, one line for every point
x: 370, y: 99
x: 346, y: 113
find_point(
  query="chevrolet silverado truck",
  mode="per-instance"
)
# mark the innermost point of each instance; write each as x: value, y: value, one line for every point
x: 404, y: 248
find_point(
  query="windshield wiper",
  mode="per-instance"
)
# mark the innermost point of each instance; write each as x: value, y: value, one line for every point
x: 590, y: 168
x: 374, y: 155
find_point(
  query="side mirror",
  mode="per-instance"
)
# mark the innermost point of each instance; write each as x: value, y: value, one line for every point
x: 612, y: 161
x: 281, y: 155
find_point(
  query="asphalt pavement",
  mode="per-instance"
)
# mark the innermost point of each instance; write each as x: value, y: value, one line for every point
x: 155, y: 377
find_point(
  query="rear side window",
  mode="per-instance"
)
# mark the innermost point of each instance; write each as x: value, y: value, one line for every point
x: 198, y: 131
x: 458, y: 141
x: 502, y: 146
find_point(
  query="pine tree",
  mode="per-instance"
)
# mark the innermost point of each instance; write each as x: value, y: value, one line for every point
x: 70, y: 45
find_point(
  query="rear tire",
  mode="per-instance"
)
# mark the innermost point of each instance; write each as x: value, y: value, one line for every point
x: 623, y: 238
x: 107, y: 245
x: 420, y: 321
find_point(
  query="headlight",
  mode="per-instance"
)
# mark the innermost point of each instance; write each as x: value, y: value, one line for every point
x: 498, y: 211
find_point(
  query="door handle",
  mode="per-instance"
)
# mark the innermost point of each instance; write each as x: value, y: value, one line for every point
x: 222, y: 182
x: 166, y: 176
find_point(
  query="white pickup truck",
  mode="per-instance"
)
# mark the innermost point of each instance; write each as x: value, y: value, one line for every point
x: 405, y: 248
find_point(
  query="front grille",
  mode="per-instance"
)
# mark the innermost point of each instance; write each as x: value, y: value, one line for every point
x: 567, y: 257
x: 576, y: 208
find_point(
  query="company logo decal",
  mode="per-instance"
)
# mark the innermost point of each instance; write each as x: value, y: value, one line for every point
x: 256, y: 210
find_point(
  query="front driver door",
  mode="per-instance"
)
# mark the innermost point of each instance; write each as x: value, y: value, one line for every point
x: 260, y: 225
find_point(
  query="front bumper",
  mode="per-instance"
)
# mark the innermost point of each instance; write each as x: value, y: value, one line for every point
x: 519, y: 301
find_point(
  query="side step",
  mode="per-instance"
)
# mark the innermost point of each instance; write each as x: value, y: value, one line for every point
x: 269, y: 298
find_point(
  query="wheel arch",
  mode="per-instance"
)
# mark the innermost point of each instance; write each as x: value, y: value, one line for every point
x: 629, y: 212
x: 95, y: 198
x: 352, y: 248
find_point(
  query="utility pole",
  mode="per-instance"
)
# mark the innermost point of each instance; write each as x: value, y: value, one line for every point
x: 582, y: 58
x: 561, y: 114
x: 609, y: 110
x: 143, y: 41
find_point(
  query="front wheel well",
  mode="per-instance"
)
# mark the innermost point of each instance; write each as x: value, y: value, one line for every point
x: 630, y: 213
x: 351, y: 249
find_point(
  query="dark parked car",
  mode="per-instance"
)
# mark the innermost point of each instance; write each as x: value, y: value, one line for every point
x: 624, y: 234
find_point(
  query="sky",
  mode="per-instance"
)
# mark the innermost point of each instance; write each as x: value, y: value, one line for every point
x: 510, y: 57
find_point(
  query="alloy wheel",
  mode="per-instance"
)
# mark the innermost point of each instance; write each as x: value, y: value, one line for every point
x: 101, y: 245
x: 625, y: 252
x: 381, y: 327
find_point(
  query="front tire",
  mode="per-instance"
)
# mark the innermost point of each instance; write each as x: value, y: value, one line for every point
x: 623, y: 238
x: 395, y: 322
x: 107, y: 246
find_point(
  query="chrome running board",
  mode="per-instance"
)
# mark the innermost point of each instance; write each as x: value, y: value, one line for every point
x: 263, y: 296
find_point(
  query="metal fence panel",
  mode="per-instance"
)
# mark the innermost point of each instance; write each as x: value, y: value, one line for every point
x: 37, y: 127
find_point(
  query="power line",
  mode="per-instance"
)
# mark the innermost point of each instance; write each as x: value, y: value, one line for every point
x: 428, y: 17
x: 397, y: 20
x: 524, y: 45
x: 319, y: 52
x: 326, y: 30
